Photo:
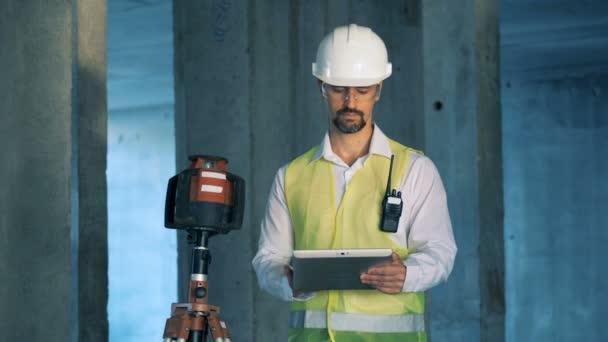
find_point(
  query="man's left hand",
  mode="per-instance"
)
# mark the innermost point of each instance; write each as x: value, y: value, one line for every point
x: 387, y: 278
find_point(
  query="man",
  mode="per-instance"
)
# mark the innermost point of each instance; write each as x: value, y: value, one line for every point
x: 331, y: 198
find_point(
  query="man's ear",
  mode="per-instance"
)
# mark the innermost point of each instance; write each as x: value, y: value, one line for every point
x: 378, y: 92
x: 321, y: 88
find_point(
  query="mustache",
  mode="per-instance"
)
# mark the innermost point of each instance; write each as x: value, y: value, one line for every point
x: 349, y: 110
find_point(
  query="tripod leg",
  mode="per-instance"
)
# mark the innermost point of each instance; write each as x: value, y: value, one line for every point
x: 219, y: 329
x: 198, y: 331
x: 195, y: 336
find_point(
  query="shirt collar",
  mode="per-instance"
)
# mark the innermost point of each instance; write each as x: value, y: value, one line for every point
x: 379, y: 145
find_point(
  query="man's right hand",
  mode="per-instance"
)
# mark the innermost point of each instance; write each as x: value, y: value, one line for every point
x: 388, y: 277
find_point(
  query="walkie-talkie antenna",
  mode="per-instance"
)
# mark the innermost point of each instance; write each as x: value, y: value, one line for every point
x: 390, y: 171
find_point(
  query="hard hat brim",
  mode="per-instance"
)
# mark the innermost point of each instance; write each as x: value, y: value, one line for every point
x: 352, y: 81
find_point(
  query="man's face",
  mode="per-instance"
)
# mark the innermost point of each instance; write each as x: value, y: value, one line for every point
x: 350, y: 107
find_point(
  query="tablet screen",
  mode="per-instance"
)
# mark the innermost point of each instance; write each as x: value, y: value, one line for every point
x: 339, y: 269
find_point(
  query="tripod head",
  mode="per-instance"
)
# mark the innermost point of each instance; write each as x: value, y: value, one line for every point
x: 205, y: 197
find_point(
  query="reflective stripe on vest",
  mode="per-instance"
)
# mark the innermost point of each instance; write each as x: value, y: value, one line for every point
x: 316, y: 319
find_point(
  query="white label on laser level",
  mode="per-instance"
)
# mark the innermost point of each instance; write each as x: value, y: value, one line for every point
x: 211, y: 188
x: 210, y: 174
x: 393, y: 200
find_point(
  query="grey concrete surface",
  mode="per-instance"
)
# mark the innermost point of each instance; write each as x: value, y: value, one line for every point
x: 489, y: 164
x: 91, y: 121
x: 212, y: 116
x: 35, y: 270
x: 555, y: 139
x: 53, y: 99
x: 275, y: 57
x: 556, y: 195
x: 462, y: 136
x: 140, y: 53
x: 553, y: 39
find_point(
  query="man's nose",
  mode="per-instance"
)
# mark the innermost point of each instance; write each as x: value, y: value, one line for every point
x: 350, y: 98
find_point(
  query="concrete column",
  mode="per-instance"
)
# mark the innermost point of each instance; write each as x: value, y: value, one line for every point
x: 35, y: 270
x: 42, y: 117
x: 91, y: 122
x: 462, y: 136
x: 273, y: 55
x: 212, y: 116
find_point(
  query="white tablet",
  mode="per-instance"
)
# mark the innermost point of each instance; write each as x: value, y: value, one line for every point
x: 335, y: 269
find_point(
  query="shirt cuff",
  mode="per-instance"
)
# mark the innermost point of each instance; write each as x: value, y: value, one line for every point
x: 412, y: 276
x: 285, y: 289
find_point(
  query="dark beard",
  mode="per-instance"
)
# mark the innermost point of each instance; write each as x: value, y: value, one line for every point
x: 345, y: 126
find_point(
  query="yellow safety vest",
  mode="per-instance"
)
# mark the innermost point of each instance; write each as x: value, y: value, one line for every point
x: 348, y: 315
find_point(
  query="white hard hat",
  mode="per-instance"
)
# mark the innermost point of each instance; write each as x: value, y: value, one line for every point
x: 352, y: 56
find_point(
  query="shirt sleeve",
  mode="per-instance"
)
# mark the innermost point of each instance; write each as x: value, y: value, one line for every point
x: 275, y: 246
x: 430, y: 238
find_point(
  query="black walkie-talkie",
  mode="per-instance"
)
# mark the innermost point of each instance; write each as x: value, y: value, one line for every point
x: 392, y: 205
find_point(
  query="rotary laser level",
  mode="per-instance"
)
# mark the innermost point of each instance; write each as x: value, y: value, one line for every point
x: 204, y: 200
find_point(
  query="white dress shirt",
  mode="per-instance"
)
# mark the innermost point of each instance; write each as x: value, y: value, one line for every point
x: 424, y: 226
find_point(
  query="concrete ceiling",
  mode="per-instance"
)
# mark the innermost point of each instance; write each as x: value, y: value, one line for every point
x: 552, y: 39
x: 140, y: 53
x: 540, y: 39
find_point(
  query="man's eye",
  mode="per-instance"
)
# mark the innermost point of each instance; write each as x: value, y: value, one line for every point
x: 338, y: 89
x: 362, y: 90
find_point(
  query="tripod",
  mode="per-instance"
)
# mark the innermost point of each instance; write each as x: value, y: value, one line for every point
x: 191, y: 321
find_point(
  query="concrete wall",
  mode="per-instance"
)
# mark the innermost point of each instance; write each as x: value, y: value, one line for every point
x: 141, y: 157
x: 244, y: 91
x: 554, y: 58
x: 556, y: 195
x: 52, y: 142
x: 462, y: 136
x: 140, y: 161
